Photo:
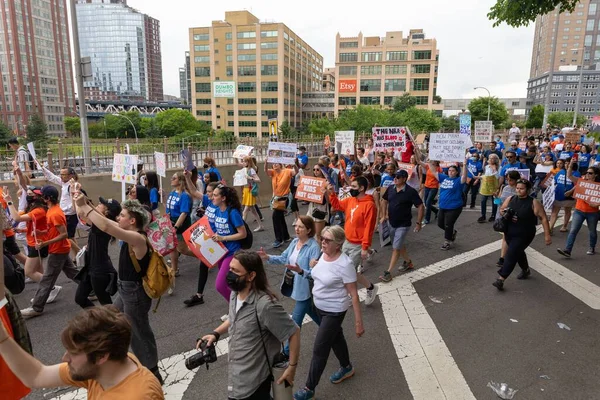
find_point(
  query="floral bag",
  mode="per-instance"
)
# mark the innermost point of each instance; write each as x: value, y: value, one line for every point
x: 162, y: 235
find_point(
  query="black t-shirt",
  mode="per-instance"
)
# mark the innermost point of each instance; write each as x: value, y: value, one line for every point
x: 127, y: 270
x: 488, y: 152
x: 97, y: 259
x: 400, y: 205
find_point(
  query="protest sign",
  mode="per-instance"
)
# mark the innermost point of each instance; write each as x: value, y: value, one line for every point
x: 125, y: 168
x: 420, y: 138
x: 465, y: 123
x: 489, y: 185
x: 484, y: 130
x: 445, y: 165
x: 448, y: 146
x: 546, y: 181
x: 524, y: 173
x: 406, y: 167
x: 161, y: 164
x: 242, y: 151
x: 384, y: 234
x: 326, y: 141
x: 311, y: 189
x: 573, y: 136
x: 588, y: 140
x: 31, y: 150
x: 389, y: 138
x: 282, y: 153
x: 240, y: 177
x: 587, y: 191
x: 186, y: 160
x: 199, y: 240
x: 344, y: 142
x: 344, y: 193
x: 548, y: 197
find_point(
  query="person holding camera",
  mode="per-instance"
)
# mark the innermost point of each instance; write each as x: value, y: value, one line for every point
x: 257, y: 326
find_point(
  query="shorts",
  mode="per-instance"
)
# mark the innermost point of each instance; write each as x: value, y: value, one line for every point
x: 32, y: 252
x: 354, y: 252
x: 564, y: 203
x: 72, y: 222
x: 10, y: 245
x: 398, y: 236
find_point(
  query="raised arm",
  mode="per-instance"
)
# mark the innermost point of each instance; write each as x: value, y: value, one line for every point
x: 570, y: 175
x: 463, y: 176
x: 50, y: 177
x: 194, y: 192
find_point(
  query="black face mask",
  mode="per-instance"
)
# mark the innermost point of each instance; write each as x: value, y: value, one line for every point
x: 234, y: 282
x: 354, y: 192
x: 205, y: 166
x: 30, y: 199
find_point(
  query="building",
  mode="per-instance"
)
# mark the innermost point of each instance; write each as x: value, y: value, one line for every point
x: 374, y: 71
x: 124, y: 47
x: 185, y: 80
x: 318, y: 105
x: 516, y: 107
x: 35, y: 64
x: 328, y: 84
x: 247, y: 71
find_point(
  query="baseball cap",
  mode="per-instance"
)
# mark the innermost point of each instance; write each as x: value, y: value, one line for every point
x: 561, y: 136
x: 50, y: 192
x: 402, y: 174
x: 35, y: 189
x: 113, y: 206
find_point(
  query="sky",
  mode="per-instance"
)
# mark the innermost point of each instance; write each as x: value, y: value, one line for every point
x: 472, y: 52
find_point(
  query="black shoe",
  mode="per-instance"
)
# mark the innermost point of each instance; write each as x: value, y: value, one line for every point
x: 499, y: 283
x: 194, y: 300
x: 454, y: 235
x: 492, y: 219
x: 481, y: 220
x: 472, y: 206
x: 524, y: 274
x: 564, y: 253
x: 500, y: 262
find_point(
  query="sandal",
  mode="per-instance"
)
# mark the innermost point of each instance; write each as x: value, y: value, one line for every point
x: 564, y: 229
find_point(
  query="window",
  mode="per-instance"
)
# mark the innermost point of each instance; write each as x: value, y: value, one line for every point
x: 203, y: 36
x: 567, y: 22
x: 592, y: 9
x: 371, y: 56
x: 396, y: 56
x: 268, y: 86
x: 395, y: 69
x: 268, y: 34
x: 246, y: 57
x: 345, y: 70
x: 247, y: 113
x: 228, y: 58
x: 246, y: 46
x: 566, y: 29
x: 348, y: 57
x: 421, y: 69
x: 419, y: 84
x: 389, y: 100
x: 268, y: 45
x: 422, y: 100
x: 247, y: 70
x: 246, y: 35
x: 370, y: 70
x: 348, y: 45
x: 590, y: 25
x: 422, y: 55
x: 203, y: 101
x: 285, y: 36
x: 268, y: 56
x: 201, y: 59
x: 395, y: 85
x: 229, y: 101
x: 565, y: 37
x: 347, y: 101
x: 229, y: 71
x: 201, y: 47
x: 269, y: 100
x: 203, y: 113
x: 202, y: 71
x: 370, y: 85
x: 227, y: 35
x: 270, y: 113
x: 246, y: 101
x: 228, y: 47
x: 268, y: 70
x: 247, y: 123
x: 246, y: 87
x: 203, y: 87
x: 370, y: 100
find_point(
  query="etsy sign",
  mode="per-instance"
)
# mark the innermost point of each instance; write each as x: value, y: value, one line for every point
x: 347, y: 86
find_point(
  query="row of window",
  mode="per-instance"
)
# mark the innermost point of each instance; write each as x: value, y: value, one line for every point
x: 376, y: 100
x: 240, y: 35
x: 346, y: 70
x: 392, y: 85
x: 389, y: 56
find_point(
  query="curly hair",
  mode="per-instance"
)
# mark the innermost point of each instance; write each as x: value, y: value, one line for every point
x: 231, y: 197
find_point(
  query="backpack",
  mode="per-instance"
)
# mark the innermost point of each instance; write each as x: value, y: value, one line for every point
x: 30, y: 158
x: 246, y: 242
x: 159, y: 276
x: 14, y: 275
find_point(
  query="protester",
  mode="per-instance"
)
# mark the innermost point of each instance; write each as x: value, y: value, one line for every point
x: 492, y: 150
x: 335, y: 284
x: 281, y: 179
x: 255, y: 316
x: 179, y: 208
x: 319, y: 212
x: 584, y: 158
x: 492, y: 171
x: 210, y: 166
x: 363, y: 159
x: 544, y: 165
x: 431, y: 189
x: 152, y: 184
x: 10, y: 243
x: 474, y: 171
x: 511, y: 164
x: 248, y: 198
x: 563, y: 195
x: 370, y: 152
x: 141, y: 194
x: 22, y: 156
x: 567, y: 152
x: 514, y: 134
x: 506, y: 191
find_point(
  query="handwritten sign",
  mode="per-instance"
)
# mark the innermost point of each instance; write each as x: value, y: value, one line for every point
x: 282, y: 153
x: 311, y: 189
x: 547, y: 179
x: 199, y: 240
x: 573, y: 136
x: 242, y: 151
x: 240, y: 177
x: 389, y: 138
x: 484, y: 130
x: 125, y: 168
x: 344, y: 142
x: 464, y: 121
x: 421, y: 138
x: 406, y: 167
x: 587, y: 191
x: 448, y: 146
x: 161, y: 164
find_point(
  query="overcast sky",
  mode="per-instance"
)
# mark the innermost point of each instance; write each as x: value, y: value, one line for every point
x: 472, y: 52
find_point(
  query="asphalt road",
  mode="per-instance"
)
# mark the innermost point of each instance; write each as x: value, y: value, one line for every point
x: 446, y: 339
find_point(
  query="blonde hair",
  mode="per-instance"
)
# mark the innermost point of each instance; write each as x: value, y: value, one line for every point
x: 495, y: 159
x: 337, y: 232
x: 251, y: 163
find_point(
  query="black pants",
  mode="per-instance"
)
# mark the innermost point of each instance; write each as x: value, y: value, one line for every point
x: 446, y: 221
x: 294, y: 206
x: 262, y: 393
x: 517, y: 243
x: 329, y: 336
x: 474, y: 189
x: 98, y: 283
x: 280, y: 226
x: 258, y: 211
x: 202, y: 277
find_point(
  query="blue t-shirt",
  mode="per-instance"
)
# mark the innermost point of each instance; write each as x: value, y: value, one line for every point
x: 509, y: 167
x: 349, y: 165
x: 565, y: 154
x: 500, y: 145
x: 226, y: 223
x: 474, y: 168
x: 451, y: 190
x: 215, y: 170
x: 154, y: 198
x: 543, y: 156
x: 303, y: 160
x: 179, y: 203
x: 386, y: 180
x: 563, y: 184
x: 209, y: 211
x: 583, y: 160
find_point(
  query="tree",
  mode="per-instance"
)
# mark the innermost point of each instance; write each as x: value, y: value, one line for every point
x: 437, y: 99
x: 149, y: 128
x: 37, y: 131
x: 96, y: 130
x: 479, y: 110
x: 361, y: 119
x: 72, y: 125
x: 404, y: 102
x: 450, y: 124
x: 5, y: 134
x: 518, y: 13
x: 419, y: 120
x: 563, y: 119
x: 321, y: 126
x: 287, y: 131
x: 174, y: 121
x: 536, y: 117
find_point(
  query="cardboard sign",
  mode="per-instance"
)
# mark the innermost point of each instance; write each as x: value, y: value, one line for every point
x: 386, y: 138
x: 161, y: 164
x: 548, y: 197
x: 282, y: 153
x: 344, y: 142
x: 524, y: 173
x: 199, y: 240
x: 327, y: 141
x: 547, y: 179
x: 484, y: 130
x: 420, y: 138
x: 125, y: 168
x: 186, y: 160
x: 240, y: 177
x: 464, y: 121
x: 406, y: 167
x: 242, y: 151
x: 448, y: 146
x: 573, y: 136
x: 384, y: 234
x: 587, y: 191
x: 311, y: 189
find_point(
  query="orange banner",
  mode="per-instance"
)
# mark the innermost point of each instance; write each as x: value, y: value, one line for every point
x: 199, y: 240
x: 311, y: 189
x: 587, y: 191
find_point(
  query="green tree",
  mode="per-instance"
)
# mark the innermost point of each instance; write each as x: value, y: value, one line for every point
x: 404, y: 102
x: 287, y: 131
x: 563, y: 119
x: 536, y: 117
x: 518, y: 13
x: 5, y: 134
x: 450, y: 124
x: 72, y: 125
x: 174, y: 121
x: 479, y: 110
x: 149, y: 128
x: 361, y: 119
x: 321, y: 126
x: 419, y: 120
x: 37, y: 131
x: 96, y: 130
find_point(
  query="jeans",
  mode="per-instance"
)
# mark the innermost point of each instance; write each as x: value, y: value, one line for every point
x: 446, y: 221
x: 576, y: 223
x: 517, y: 241
x: 56, y: 263
x: 484, y: 200
x: 429, y: 197
x: 474, y: 189
x: 329, y: 336
x: 135, y: 304
x: 98, y: 283
x: 280, y: 226
x: 302, y: 308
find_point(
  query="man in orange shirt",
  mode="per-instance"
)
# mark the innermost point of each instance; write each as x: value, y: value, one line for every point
x: 281, y: 179
x: 58, y: 252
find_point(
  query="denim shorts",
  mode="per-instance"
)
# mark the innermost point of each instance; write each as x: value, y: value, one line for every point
x: 398, y: 236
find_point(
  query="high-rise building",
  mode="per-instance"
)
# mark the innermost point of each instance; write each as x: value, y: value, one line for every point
x: 185, y: 80
x: 328, y: 82
x: 124, y: 46
x: 35, y: 64
x: 374, y: 70
x: 246, y: 72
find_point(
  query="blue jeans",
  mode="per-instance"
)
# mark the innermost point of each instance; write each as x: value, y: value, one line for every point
x: 576, y: 223
x: 429, y: 196
x: 484, y: 200
x: 300, y: 310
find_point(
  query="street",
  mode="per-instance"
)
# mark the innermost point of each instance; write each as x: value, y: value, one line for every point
x: 440, y: 332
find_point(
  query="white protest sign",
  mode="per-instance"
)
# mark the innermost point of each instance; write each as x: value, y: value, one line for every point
x: 548, y: 197
x: 484, y: 130
x: 344, y: 142
x: 448, y: 146
x: 125, y: 168
x: 242, y: 151
x: 161, y: 164
x: 282, y: 153
x: 524, y: 173
x: 393, y: 138
x: 240, y: 178
x: 31, y: 150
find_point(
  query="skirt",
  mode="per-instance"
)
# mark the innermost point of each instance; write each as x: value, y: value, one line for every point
x: 247, y: 198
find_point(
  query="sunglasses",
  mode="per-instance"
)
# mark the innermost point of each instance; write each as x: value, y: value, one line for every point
x: 326, y: 240
x: 589, y: 173
x: 510, y: 156
x: 523, y: 181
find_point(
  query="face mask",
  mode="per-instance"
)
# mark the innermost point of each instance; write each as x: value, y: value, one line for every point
x: 234, y: 282
x: 205, y: 166
x: 30, y: 199
x: 473, y: 158
x: 354, y: 192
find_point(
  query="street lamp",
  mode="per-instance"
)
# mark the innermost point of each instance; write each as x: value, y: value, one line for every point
x: 134, y: 130
x: 578, y: 89
x: 489, y: 99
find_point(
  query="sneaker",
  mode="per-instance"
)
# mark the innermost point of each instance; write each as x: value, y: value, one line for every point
x: 371, y: 294
x: 225, y: 317
x: 259, y: 229
x: 425, y: 222
x: 277, y: 244
x: 564, y: 253
x: 492, y: 219
x: 194, y: 300
x: 171, y: 290
x: 53, y: 293
x: 499, y: 284
x: 500, y: 262
x: 288, y: 240
x: 445, y: 246
x: 28, y: 280
x: 30, y: 312
x: 454, y: 235
x: 472, y: 206
x: 304, y: 394
x: 481, y: 219
x: 591, y: 251
x: 524, y: 274
x: 406, y: 267
x: 342, y: 374
x: 370, y: 255
x: 386, y: 277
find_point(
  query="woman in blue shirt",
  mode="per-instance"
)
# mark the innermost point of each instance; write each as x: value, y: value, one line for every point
x: 474, y: 172
x: 562, y: 195
x: 151, y: 183
x: 583, y: 159
x: 179, y: 208
x: 229, y: 228
x: 296, y: 259
x: 211, y: 166
x: 450, y: 201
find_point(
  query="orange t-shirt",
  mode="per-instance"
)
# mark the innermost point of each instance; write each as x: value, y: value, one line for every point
x: 430, y: 181
x: 8, y: 232
x: 139, y: 385
x: 585, y: 207
x: 281, y: 181
x: 38, y: 220
x: 56, y: 217
x: 11, y: 388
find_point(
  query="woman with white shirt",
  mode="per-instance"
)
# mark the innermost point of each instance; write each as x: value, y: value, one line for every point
x: 491, y: 169
x: 335, y: 283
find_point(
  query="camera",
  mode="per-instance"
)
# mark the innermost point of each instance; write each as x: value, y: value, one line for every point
x: 206, y: 355
x: 509, y: 213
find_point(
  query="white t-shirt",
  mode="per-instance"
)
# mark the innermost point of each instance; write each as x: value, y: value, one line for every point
x: 294, y: 256
x: 329, y: 292
x: 238, y: 304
